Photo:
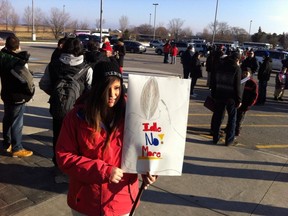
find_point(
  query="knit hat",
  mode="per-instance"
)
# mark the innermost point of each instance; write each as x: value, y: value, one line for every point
x: 266, y: 53
x: 105, y: 69
x: 107, y: 47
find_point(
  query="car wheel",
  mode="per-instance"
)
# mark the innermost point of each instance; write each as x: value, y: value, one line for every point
x: 159, y: 52
x: 132, y: 50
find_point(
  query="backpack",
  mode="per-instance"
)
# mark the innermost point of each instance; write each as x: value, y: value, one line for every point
x: 24, y: 77
x: 65, y: 93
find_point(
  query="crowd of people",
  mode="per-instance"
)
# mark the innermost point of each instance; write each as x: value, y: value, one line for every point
x: 88, y: 138
x: 232, y: 81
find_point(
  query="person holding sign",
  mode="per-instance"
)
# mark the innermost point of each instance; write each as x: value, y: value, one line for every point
x: 89, y: 149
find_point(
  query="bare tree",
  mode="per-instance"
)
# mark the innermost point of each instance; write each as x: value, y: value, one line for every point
x: 27, y: 17
x: 57, y: 20
x: 84, y: 25
x: 5, y: 12
x: 123, y: 23
x: 144, y: 29
x: 162, y: 32
x: 186, y: 33
x: 98, y: 23
x: 14, y: 18
x: 175, y: 26
x: 38, y: 18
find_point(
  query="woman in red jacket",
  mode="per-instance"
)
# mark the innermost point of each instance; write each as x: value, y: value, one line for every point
x: 89, y: 150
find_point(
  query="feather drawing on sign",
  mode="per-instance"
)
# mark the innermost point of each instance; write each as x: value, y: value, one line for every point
x: 150, y: 98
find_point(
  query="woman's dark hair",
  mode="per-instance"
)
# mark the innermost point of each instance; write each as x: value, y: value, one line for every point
x: 73, y: 46
x: 97, y: 111
x: 12, y: 43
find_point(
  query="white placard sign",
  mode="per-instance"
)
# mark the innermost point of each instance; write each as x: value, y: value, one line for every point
x: 155, y: 125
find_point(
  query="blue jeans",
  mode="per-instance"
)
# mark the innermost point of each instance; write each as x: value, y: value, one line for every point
x: 218, y: 117
x: 13, y: 125
x: 262, y: 92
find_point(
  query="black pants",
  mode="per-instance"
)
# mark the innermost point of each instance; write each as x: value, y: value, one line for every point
x: 57, y: 124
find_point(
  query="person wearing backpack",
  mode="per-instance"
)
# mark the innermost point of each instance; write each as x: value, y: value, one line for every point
x: 63, y: 72
x: 14, y: 98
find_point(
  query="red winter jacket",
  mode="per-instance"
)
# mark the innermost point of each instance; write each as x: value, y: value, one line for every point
x: 80, y: 154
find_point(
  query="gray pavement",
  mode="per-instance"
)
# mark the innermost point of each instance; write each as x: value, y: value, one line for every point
x: 216, y: 180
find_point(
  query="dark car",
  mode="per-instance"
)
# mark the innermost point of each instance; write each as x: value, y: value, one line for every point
x: 134, y: 46
x: 85, y: 38
x: 3, y: 36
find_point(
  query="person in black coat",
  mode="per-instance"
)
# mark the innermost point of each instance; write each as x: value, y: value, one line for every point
x: 196, y: 71
x: 119, y: 52
x: 263, y: 77
x: 227, y: 93
x: 186, y: 60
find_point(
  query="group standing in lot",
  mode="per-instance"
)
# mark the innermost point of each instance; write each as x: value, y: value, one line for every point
x: 88, y: 133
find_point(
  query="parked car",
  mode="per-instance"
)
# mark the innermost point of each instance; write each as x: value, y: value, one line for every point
x: 134, y: 46
x: 155, y: 43
x: 182, y: 46
x: 276, y: 56
x: 3, y: 36
x: 201, y: 48
x: 84, y: 38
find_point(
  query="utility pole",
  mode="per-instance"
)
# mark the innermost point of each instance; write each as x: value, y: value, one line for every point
x: 155, y: 4
x: 33, y: 25
x: 215, y: 20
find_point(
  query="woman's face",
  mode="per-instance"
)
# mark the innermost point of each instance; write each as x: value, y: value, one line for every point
x: 114, y: 93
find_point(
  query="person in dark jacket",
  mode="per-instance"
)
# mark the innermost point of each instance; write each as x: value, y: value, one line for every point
x: 119, y: 52
x: 249, y: 98
x: 250, y: 62
x: 14, y: 101
x: 263, y: 77
x: 70, y: 62
x: 196, y: 71
x: 227, y: 93
x: 186, y: 60
x: 166, y: 51
x: 57, y: 52
x: 92, y: 54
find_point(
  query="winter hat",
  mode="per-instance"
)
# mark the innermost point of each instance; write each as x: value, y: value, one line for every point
x: 266, y: 53
x: 105, y: 69
x: 107, y: 47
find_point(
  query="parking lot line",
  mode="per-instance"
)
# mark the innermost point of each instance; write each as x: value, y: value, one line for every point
x: 272, y: 146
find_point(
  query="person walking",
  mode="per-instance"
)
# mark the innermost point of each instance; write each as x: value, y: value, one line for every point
x: 173, y: 53
x: 250, y: 62
x: 119, y: 53
x: 13, y: 98
x: 89, y: 150
x: 196, y: 72
x: 263, y: 78
x: 249, y: 98
x: 186, y: 60
x: 227, y: 93
x: 70, y: 63
x: 166, y: 51
x: 281, y: 80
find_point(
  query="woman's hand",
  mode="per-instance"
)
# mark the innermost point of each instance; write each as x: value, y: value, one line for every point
x: 116, y: 175
x: 149, y: 179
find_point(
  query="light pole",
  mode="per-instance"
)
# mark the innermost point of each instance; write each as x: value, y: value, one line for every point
x: 155, y: 4
x: 250, y: 27
x: 33, y: 26
x: 101, y: 11
x: 215, y: 20
x: 64, y: 20
x: 150, y: 20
